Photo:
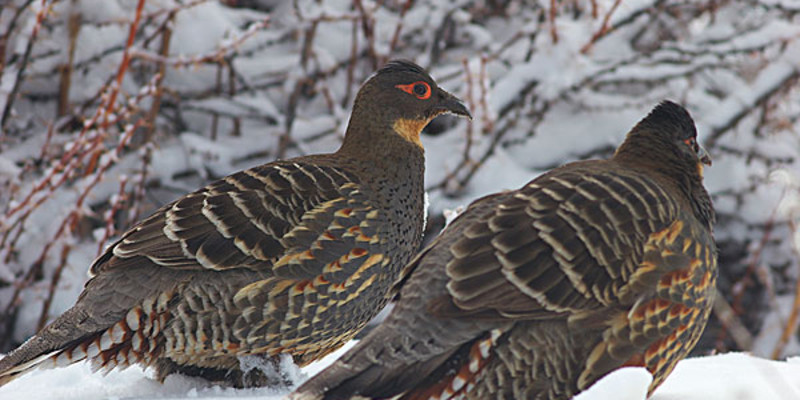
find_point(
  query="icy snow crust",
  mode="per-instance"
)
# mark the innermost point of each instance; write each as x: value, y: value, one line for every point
x: 734, y: 376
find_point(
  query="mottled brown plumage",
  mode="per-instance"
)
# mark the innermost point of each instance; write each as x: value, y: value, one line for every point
x: 291, y: 257
x: 539, y: 292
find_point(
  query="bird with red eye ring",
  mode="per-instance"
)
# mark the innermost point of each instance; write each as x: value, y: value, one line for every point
x: 278, y: 240
x: 420, y: 89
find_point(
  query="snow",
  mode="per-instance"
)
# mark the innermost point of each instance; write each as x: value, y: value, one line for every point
x: 553, y: 101
x: 630, y: 383
x: 732, y: 376
x: 79, y: 383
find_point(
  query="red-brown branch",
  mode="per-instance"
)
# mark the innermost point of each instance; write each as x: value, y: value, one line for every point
x: 790, y: 328
x: 123, y: 65
x: 605, y: 27
x: 51, y: 292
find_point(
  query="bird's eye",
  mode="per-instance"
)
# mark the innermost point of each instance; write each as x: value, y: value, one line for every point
x: 420, y: 89
x: 692, y: 143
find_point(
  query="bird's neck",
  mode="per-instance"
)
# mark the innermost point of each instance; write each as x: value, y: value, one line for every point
x: 380, y: 143
x: 381, y: 152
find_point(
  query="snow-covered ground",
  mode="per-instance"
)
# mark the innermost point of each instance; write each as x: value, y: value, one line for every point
x: 77, y: 382
x: 543, y: 92
x: 733, y: 376
x: 544, y: 88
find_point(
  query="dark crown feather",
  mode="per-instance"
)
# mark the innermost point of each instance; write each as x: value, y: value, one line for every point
x: 670, y: 118
x: 396, y: 66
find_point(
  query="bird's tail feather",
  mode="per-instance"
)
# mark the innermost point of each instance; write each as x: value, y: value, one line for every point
x: 64, y: 342
x: 364, y: 372
x: 24, y: 359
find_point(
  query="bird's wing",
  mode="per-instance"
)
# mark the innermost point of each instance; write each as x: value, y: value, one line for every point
x: 315, y: 239
x: 250, y: 219
x: 324, y: 284
x: 565, y: 244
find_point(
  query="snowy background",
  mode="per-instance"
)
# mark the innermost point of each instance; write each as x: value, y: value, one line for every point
x: 110, y: 108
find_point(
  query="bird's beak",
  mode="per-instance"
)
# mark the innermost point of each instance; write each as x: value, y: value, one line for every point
x: 452, y: 104
x: 703, y: 156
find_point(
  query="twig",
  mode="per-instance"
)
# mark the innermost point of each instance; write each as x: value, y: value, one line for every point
x: 237, y: 123
x: 141, y: 183
x: 739, y: 288
x: 352, y: 64
x: 551, y: 18
x: 123, y: 65
x: 368, y: 26
x: 213, y: 57
x: 166, y: 38
x: 731, y: 323
x: 605, y: 28
x: 12, y: 24
x: 23, y: 65
x: 118, y: 203
x: 299, y: 86
x: 51, y: 292
x: 48, y: 137
x: 483, y: 79
x: 790, y: 328
x: 218, y: 90
x: 396, y: 36
x: 73, y: 27
x: 465, y: 158
x: 738, y: 291
x: 718, y: 131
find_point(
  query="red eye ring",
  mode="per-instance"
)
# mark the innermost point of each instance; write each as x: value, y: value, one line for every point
x: 692, y: 143
x: 412, y: 88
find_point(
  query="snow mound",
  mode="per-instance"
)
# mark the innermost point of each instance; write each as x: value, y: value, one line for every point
x: 732, y: 376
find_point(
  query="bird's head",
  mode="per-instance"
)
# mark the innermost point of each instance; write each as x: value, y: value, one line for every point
x: 665, y: 142
x: 401, y: 96
x: 667, y: 136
